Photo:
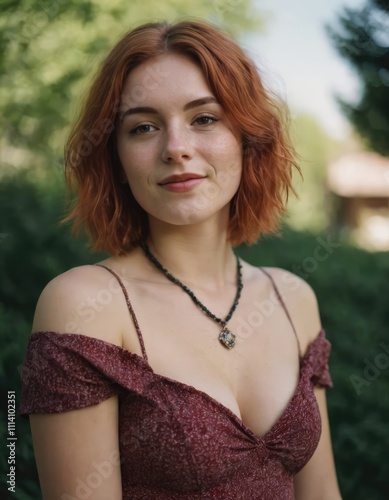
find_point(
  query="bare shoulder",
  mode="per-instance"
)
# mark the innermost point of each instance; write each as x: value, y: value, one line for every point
x: 67, y: 442
x: 79, y: 301
x: 301, y: 302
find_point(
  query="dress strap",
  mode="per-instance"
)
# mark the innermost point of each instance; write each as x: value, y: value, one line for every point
x: 130, y: 308
x: 284, y: 307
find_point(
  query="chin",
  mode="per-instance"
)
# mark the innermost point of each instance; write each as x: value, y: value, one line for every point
x: 191, y: 215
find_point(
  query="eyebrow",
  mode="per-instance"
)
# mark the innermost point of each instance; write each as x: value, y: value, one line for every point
x: 190, y: 105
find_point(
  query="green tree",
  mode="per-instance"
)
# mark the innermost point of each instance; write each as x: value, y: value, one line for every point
x: 352, y: 287
x: 362, y: 38
x: 49, y: 48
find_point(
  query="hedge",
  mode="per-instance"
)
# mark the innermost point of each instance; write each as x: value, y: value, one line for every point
x: 352, y: 287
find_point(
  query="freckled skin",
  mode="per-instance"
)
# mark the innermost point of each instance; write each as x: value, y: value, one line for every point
x: 173, y: 140
x: 176, y: 415
x: 157, y: 447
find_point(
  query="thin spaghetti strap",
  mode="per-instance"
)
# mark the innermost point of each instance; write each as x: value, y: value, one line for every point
x: 284, y: 307
x: 131, y: 310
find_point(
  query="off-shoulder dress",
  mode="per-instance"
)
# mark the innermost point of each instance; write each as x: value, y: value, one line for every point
x: 176, y: 442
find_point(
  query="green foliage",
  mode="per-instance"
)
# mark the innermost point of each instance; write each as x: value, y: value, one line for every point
x: 14, y: 330
x: 310, y: 211
x: 46, y: 51
x: 49, y: 48
x: 352, y: 288
x: 33, y: 249
x: 362, y: 38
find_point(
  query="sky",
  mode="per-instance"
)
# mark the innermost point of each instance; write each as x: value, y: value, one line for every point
x: 297, y: 59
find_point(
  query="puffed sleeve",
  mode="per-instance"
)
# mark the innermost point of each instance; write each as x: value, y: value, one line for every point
x: 319, y: 355
x: 58, y: 375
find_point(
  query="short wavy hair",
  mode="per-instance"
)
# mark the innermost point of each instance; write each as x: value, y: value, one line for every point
x: 105, y: 206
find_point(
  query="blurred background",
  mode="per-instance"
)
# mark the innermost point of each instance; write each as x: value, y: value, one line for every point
x: 330, y: 62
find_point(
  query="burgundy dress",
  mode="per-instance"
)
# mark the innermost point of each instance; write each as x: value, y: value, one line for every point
x: 177, y: 442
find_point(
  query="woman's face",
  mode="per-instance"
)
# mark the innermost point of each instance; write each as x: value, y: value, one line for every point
x: 180, y: 154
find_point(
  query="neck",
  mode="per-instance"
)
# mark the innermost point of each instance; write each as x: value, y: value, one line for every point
x: 198, y: 256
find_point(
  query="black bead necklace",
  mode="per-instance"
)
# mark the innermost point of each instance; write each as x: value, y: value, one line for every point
x: 226, y: 337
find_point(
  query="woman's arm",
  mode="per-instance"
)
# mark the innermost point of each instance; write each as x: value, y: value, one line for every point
x: 77, y: 451
x: 317, y: 480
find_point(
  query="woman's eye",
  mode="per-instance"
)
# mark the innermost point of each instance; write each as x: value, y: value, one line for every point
x: 142, y: 129
x: 206, y: 120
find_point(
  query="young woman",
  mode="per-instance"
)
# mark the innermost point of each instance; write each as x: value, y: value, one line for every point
x: 173, y: 369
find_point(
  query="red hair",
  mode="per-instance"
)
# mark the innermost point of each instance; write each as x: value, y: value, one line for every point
x: 106, y: 206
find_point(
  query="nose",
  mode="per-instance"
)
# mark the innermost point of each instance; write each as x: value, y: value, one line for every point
x: 177, y: 145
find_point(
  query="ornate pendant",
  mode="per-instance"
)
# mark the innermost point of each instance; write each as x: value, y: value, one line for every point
x: 227, y: 338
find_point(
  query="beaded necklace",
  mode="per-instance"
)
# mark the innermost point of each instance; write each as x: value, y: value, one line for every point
x: 226, y: 337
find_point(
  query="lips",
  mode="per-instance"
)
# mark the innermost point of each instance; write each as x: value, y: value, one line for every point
x: 173, y: 179
x: 182, y: 183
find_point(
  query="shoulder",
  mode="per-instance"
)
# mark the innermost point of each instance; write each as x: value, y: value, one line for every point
x: 81, y: 300
x: 300, y: 301
x: 291, y: 285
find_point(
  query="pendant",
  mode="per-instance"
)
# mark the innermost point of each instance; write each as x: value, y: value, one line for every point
x: 227, y: 338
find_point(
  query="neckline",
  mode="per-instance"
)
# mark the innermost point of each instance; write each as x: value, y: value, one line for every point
x: 203, y: 394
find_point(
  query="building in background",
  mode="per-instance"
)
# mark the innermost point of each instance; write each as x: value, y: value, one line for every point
x: 359, y: 182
